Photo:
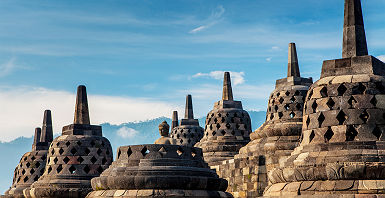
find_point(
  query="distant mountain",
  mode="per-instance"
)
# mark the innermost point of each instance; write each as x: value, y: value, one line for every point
x: 145, y: 132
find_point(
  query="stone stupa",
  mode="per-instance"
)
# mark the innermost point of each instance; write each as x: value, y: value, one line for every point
x: 227, y: 128
x: 32, y: 164
x: 159, y: 170
x: 342, y: 152
x: 275, y: 139
x: 174, y: 120
x: 74, y: 158
x: 188, y: 132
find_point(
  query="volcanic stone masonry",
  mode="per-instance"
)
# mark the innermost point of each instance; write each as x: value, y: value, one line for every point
x: 74, y: 158
x: 227, y: 128
x: 188, y: 133
x: 159, y: 170
x: 342, y: 152
x: 32, y: 164
x: 274, y: 140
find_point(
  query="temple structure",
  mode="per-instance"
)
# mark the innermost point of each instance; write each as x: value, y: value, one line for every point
x: 274, y: 140
x: 32, y: 164
x: 74, y: 158
x: 159, y: 170
x: 227, y: 128
x: 342, y: 151
x: 188, y: 133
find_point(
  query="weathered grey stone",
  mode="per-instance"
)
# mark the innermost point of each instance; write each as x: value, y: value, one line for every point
x: 75, y: 157
x: 32, y: 164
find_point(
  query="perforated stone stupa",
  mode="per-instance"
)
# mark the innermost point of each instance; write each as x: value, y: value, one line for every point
x: 274, y: 140
x: 188, y: 133
x: 157, y: 170
x: 74, y: 158
x: 32, y: 164
x: 342, y: 151
x: 227, y: 128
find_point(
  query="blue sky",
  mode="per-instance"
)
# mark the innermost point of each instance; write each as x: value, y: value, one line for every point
x: 140, y: 58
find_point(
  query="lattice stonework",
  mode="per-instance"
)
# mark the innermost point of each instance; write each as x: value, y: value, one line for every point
x: 82, y: 156
x: 339, y: 112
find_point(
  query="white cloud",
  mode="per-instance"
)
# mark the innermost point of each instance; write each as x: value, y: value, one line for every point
x: 236, y: 77
x: 7, y: 67
x: 269, y: 59
x: 215, y: 17
x: 23, y: 107
x: 382, y: 58
x: 126, y: 132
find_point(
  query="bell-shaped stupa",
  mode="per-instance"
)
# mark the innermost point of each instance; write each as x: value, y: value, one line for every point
x: 159, y: 170
x: 274, y: 140
x: 188, y: 132
x: 227, y: 128
x: 74, y: 158
x: 32, y: 164
x: 342, y: 151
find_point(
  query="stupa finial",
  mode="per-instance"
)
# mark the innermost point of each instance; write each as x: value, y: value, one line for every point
x: 354, y: 39
x: 174, y: 122
x: 227, y: 90
x: 81, y: 110
x: 36, y: 138
x: 189, y: 114
x: 292, y: 66
x: 47, y: 132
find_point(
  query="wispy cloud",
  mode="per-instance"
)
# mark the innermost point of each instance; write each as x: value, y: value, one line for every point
x: 126, y: 132
x: 7, y: 67
x: 237, y: 77
x: 215, y: 17
x: 19, y: 116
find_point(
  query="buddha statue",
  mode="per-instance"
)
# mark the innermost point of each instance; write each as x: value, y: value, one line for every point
x: 164, y: 132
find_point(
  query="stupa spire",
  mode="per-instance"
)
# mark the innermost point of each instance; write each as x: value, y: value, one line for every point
x: 354, y: 41
x: 189, y: 114
x: 227, y: 90
x: 292, y: 66
x: 174, y: 122
x: 47, y: 132
x: 81, y: 110
x: 36, y: 138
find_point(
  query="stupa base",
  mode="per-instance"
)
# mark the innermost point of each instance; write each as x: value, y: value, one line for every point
x: 329, y: 188
x: 157, y: 193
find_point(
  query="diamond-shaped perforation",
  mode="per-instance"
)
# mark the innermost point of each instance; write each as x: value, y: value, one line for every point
x: 80, y: 159
x: 351, y: 133
x: 66, y: 160
x: 32, y: 171
x: 373, y: 101
x: 25, y: 179
x: 87, y: 151
x: 377, y: 132
x: 311, y: 137
x: 61, y: 151
x: 292, y: 115
x: 324, y: 92
x: 341, y: 117
x: 280, y: 115
x: 104, y: 161
x: 144, y: 151
x: 314, y: 106
x: 364, y: 116
x: 100, y: 170
x: 328, y: 135
x: 68, y: 143
x: 321, y: 119
x: 287, y: 93
x: 73, y: 151
x: 99, y: 151
x: 59, y: 168
x: 129, y: 152
x: 341, y: 90
x: 36, y: 178
x: 281, y: 100
x: 330, y: 103
x: 93, y: 159
x: 307, y: 121
x: 72, y: 169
